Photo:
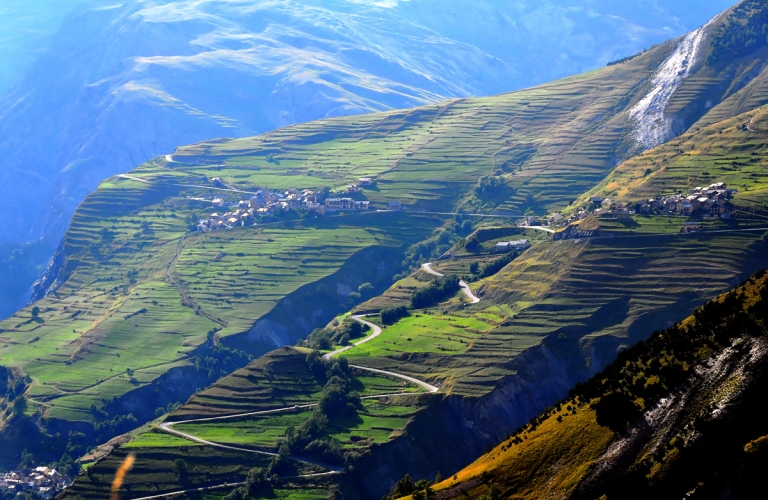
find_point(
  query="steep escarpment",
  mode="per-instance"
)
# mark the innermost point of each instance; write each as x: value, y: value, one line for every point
x: 678, y: 415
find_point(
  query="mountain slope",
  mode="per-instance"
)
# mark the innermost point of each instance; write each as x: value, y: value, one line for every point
x: 678, y: 415
x: 169, y: 73
x: 129, y: 274
x: 730, y: 151
x: 125, y: 82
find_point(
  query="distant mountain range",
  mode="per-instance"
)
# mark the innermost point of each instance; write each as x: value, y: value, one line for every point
x: 124, y: 82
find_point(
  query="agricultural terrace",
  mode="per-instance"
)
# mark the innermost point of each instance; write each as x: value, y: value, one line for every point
x: 130, y: 272
x: 134, y: 277
x: 156, y: 471
x: 732, y: 151
x: 431, y: 157
x: 281, y: 379
x: 606, y: 292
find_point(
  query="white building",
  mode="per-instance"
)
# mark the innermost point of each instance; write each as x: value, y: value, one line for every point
x: 513, y: 245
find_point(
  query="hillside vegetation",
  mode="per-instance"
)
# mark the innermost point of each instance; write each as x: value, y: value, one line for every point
x: 278, y: 413
x: 142, y: 311
x: 129, y: 270
x: 676, y: 416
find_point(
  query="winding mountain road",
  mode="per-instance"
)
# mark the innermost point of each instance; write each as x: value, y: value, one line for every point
x: 168, y: 426
x: 360, y: 319
x: 464, y: 287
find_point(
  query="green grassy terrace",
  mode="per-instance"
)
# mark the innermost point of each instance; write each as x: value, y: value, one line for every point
x: 280, y: 379
x: 137, y: 278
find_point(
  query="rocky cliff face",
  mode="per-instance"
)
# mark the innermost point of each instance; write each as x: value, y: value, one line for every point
x: 703, y: 429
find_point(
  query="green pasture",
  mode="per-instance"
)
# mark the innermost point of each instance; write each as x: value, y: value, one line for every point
x: 423, y: 333
x: 264, y: 431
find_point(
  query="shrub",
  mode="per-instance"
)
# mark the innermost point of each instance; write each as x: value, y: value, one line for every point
x: 19, y: 406
x: 180, y: 469
x: 324, y: 339
x: 391, y: 315
x: 436, y: 291
x: 616, y: 411
x: 366, y: 290
x: 472, y: 244
x: 489, y: 186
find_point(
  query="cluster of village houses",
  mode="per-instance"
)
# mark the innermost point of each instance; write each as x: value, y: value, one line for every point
x: 705, y: 201
x: 711, y: 201
x: 43, y: 481
x: 266, y: 203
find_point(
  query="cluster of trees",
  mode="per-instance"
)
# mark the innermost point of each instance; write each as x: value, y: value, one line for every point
x: 489, y: 186
x: 472, y: 244
x: 392, y: 315
x: 436, y: 291
x: 745, y: 31
x: 12, y: 389
x: 624, y: 59
x: 422, y: 489
x: 220, y: 361
x: 429, y: 250
x: 258, y: 482
x: 485, y: 270
x: 325, y: 338
x: 407, y: 486
x: 338, y: 400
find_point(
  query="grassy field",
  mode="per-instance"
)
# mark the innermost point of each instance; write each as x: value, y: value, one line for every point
x: 375, y: 423
x: 423, y: 333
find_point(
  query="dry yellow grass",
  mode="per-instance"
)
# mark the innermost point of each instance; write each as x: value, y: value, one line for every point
x: 548, y: 463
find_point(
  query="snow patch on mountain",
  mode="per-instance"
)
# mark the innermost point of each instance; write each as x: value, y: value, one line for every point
x: 651, y: 127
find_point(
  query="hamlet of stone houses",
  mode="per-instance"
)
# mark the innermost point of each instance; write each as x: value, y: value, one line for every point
x: 43, y: 481
x: 699, y: 202
x: 265, y: 203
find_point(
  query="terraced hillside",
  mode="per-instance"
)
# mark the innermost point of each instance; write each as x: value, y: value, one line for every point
x: 674, y: 416
x: 129, y: 271
x: 135, y: 276
x: 241, y: 420
x: 141, y: 312
x: 583, y: 300
x: 731, y: 151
